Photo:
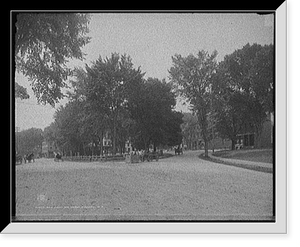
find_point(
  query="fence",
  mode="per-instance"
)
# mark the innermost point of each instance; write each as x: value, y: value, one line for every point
x: 90, y: 158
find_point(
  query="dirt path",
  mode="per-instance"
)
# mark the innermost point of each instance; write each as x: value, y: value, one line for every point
x: 178, y: 188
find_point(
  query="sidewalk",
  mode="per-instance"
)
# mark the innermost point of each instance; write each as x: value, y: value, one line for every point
x: 257, y: 166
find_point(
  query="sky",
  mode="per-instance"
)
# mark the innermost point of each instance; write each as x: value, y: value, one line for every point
x: 151, y: 39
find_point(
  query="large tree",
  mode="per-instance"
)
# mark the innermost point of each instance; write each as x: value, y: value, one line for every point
x: 107, y: 87
x: 192, y: 78
x: 111, y: 95
x: 229, y: 106
x: 244, y: 90
x: 156, y: 121
x: 44, y: 42
x: 68, y: 120
x: 173, y: 132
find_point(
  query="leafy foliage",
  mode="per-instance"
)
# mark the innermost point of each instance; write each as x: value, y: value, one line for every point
x: 156, y: 122
x: 68, y: 120
x: 43, y: 45
x: 192, y: 76
x: 29, y: 140
x: 237, y: 92
x: 107, y: 87
x: 21, y: 92
x: 243, y: 90
x: 111, y: 95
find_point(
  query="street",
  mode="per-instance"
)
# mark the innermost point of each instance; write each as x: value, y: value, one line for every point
x: 179, y: 188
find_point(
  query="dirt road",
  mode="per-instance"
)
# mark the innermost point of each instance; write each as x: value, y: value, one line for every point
x: 178, y: 188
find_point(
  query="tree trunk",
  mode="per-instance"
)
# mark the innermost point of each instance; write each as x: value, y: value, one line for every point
x: 206, y: 148
x: 205, y: 144
x: 202, y: 120
x: 257, y: 141
x: 114, y: 136
x: 101, y: 143
x: 233, y: 144
x: 114, y: 141
x: 205, y: 139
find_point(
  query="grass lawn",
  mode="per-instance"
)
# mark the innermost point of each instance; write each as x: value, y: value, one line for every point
x: 255, y: 155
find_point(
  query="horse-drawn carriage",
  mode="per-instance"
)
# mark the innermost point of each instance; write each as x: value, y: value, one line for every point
x: 29, y: 158
x: 58, y: 157
x: 178, y: 151
x: 26, y: 158
x: 149, y: 156
x: 141, y: 156
x: 19, y: 159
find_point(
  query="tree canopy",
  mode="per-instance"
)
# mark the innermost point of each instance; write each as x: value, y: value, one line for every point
x: 29, y: 140
x: 232, y: 94
x: 112, y: 96
x: 43, y: 44
x: 156, y: 121
x: 106, y: 88
x: 192, y: 77
x: 21, y: 92
x: 243, y: 90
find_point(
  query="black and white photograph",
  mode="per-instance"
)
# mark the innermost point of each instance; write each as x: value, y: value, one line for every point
x: 162, y: 117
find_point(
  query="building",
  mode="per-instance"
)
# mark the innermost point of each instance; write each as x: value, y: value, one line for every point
x: 107, y: 139
x: 248, y: 138
x: 128, y: 146
x: 48, y: 149
x: 191, y: 136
